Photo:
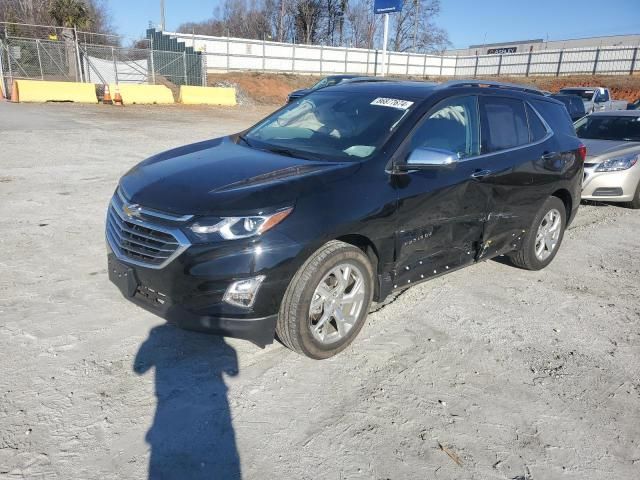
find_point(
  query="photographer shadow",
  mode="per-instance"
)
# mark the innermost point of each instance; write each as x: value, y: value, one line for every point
x: 192, y: 433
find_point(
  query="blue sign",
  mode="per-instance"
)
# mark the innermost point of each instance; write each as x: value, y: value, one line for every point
x: 387, y: 6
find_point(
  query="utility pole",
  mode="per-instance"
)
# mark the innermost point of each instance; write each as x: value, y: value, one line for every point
x: 281, y: 23
x: 385, y: 36
x: 162, y: 15
x: 416, y: 16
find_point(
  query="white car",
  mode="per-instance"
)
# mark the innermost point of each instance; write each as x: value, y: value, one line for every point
x: 612, y: 166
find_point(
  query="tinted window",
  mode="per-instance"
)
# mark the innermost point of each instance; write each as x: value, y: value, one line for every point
x: 505, y: 124
x: 555, y: 115
x: 584, y: 94
x: 536, y: 127
x: 574, y: 104
x: 331, y: 125
x: 452, y: 125
x: 609, y: 128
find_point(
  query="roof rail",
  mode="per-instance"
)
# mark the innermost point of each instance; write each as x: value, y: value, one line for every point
x: 491, y: 84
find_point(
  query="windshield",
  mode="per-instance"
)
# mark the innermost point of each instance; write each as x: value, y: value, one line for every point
x: 584, y: 94
x: 330, y: 125
x: 609, y: 128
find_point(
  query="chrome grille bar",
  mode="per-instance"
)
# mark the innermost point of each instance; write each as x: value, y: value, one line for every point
x: 140, y: 242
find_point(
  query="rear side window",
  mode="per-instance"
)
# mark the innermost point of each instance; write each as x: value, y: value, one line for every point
x: 536, y: 128
x: 556, y: 116
x: 504, y: 124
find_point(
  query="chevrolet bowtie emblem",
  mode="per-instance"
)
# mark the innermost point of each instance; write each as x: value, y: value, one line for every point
x: 132, y: 210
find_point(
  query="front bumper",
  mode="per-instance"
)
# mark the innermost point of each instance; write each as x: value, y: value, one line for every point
x: 610, y: 186
x: 189, y: 291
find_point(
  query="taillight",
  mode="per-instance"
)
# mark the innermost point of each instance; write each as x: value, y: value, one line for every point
x: 582, y: 153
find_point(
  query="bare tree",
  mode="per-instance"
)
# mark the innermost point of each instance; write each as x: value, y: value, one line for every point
x: 414, y: 27
x: 361, y: 23
x: 331, y: 22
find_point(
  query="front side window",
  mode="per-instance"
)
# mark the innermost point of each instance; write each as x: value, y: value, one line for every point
x: 504, y: 124
x: 602, y: 96
x: 452, y: 126
x: 331, y: 125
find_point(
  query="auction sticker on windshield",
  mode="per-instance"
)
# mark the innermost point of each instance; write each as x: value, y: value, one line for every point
x: 392, y: 102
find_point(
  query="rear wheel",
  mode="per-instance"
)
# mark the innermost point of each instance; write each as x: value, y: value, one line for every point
x: 327, y: 301
x: 543, y: 239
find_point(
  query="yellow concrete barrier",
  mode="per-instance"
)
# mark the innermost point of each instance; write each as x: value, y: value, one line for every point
x: 43, y: 91
x: 207, y: 95
x: 143, y: 94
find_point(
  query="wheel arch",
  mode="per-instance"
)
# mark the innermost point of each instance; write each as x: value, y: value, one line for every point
x: 565, y: 196
x: 363, y: 243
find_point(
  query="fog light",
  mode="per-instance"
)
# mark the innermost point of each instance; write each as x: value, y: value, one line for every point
x: 243, y: 292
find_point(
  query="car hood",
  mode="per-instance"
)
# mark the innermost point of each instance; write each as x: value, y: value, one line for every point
x: 299, y: 93
x: 601, y: 150
x: 219, y: 177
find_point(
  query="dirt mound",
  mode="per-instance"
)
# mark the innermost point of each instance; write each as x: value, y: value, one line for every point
x: 623, y: 87
x: 264, y: 88
x: 273, y: 88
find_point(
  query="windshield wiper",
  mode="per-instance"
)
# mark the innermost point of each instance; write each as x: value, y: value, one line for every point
x: 244, y: 139
x: 282, y: 151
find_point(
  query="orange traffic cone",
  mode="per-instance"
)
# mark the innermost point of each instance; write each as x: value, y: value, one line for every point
x: 117, y: 100
x: 15, y: 97
x: 106, y: 99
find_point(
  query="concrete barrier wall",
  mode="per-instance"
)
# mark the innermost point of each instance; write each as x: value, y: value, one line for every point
x: 43, y: 91
x: 208, y: 96
x: 143, y: 94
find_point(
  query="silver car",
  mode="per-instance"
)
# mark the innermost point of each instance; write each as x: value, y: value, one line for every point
x: 612, y: 166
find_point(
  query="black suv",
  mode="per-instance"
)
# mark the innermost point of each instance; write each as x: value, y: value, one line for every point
x: 294, y: 226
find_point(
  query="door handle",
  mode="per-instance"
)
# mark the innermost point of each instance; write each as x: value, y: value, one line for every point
x: 480, y: 174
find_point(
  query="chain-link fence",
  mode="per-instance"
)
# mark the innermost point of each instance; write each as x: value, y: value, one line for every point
x: 62, y: 54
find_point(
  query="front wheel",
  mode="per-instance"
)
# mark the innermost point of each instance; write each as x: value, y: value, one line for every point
x: 543, y: 239
x: 327, y: 301
x: 635, y: 203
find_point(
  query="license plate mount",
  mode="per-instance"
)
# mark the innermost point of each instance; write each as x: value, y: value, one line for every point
x: 124, y: 277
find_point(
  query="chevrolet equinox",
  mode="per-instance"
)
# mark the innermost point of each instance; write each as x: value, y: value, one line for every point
x: 291, y: 228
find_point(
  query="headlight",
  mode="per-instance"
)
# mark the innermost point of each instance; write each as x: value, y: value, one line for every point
x: 618, y: 163
x: 231, y: 228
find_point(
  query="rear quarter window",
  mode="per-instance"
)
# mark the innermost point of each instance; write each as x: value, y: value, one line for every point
x: 504, y: 125
x: 537, y: 129
x: 556, y: 115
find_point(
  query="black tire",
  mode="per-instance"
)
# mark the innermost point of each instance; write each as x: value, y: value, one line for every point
x: 635, y: 203
x: 293, y: 326
x: 526, y: 257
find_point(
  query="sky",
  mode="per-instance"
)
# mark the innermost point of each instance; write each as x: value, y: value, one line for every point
x: 467, y: 21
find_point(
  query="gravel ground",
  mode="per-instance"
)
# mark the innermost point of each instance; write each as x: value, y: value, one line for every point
x: 487, y: 373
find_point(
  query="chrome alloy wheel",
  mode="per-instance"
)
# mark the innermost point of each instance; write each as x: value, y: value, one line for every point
x: 336, y: 303
x: 548, y: 234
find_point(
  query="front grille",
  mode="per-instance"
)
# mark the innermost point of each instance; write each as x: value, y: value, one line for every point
x: 140, y: 242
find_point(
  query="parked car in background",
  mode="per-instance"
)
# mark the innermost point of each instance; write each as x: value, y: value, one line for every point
x: 595, y: 99
x: 330, y: 81
x: 293, y: 226
x: 612, y: 168
x: 574, y: 105
x: 634, y: 105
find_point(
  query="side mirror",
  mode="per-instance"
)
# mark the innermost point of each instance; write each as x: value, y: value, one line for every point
x: 431, y: 157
